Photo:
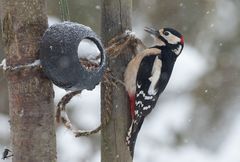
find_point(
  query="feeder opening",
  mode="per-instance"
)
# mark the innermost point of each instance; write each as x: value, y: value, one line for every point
x: 89, y: 54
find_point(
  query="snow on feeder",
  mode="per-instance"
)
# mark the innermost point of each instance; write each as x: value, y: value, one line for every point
x: 72, y: 56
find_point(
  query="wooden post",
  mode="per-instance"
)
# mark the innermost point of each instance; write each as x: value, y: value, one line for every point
x: 30, y: 93
x: 116, y: 19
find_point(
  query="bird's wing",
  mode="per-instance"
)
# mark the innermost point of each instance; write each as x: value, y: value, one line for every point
x: 147, y: 80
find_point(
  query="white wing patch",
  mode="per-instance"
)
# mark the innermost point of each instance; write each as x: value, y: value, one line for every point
x: 139, y: 103
x: 156, y: 72
x: 146, y: 97
x: 146, y: 107
x: 138, y: 85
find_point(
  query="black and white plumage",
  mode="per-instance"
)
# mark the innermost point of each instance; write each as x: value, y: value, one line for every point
x: 6, y: 154
x: 147, y: 75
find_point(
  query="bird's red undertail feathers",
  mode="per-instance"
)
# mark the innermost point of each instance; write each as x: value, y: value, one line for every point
x: 132, y: 105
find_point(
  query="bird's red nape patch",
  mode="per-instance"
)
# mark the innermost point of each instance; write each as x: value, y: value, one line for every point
x: 182, y: 40
x: 132, y: 105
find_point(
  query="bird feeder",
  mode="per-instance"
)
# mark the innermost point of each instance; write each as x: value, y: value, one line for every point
x: 60, y: 59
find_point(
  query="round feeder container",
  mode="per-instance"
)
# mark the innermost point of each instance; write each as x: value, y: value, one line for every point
x: 60, y: 60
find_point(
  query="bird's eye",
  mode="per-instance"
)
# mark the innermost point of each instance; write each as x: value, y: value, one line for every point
x: 166, y: 33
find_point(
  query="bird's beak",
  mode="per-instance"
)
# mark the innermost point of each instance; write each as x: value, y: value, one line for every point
x: 152, y: 31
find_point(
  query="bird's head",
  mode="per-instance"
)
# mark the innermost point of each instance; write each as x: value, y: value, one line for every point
x: 167, y: 37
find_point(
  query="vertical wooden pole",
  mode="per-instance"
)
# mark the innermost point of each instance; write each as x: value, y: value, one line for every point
x: 30, y: 93
x: 116, y: 19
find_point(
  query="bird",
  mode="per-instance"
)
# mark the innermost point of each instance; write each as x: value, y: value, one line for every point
x: 5, y: 154
x: 147, y: 75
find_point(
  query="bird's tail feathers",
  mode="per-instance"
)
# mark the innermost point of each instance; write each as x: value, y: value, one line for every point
x: 132, y: 134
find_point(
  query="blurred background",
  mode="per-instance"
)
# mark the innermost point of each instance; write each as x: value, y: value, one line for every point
x: 197, y: 118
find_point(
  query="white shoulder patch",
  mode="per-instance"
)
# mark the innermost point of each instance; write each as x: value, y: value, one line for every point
x: 156, y: 72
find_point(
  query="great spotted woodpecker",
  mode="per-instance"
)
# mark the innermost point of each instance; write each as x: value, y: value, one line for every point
x: 147, y: 75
